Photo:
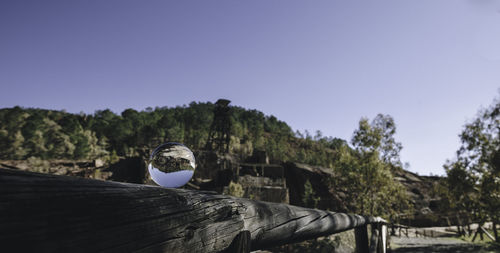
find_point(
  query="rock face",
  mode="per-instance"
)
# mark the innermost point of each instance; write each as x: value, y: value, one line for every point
x: 420, y: 190
x: 264, y: 182
x: 296, y: 176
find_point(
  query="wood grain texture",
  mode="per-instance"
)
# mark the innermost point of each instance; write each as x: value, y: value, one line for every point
x: 48, y: 213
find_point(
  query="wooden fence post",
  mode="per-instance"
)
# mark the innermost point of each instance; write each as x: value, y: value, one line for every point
x: 374, y: 239
x: 383, y: 238
x: 475, y: 235
x: 480, y: 229
x: 495, y: 232
x: 459, y: 226
x: 361, y: 236
x: 469, y: 221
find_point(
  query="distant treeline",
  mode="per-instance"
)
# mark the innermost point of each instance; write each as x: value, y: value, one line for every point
x: 48, y: 134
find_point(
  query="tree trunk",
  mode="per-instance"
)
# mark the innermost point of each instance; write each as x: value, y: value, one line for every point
x: 48, y: 213
x: 469, y: 221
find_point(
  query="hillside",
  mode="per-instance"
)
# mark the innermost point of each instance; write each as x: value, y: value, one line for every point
x: 27, y: 132
x: 264, y: 159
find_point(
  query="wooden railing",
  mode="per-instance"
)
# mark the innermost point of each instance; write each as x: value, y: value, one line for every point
x: 463, y: 226
x: 49, y: 213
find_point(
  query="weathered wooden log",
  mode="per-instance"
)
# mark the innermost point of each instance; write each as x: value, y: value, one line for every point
x: 48, y: 213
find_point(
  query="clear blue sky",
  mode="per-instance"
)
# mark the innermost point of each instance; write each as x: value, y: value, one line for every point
x: 318, y: 65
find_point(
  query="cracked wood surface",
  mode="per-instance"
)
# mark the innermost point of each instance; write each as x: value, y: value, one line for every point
x: 49, y: 213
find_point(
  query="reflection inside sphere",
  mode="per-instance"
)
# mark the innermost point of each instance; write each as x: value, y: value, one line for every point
x: 171, y: 165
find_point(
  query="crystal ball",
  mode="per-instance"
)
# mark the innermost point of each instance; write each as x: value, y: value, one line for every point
x: 171, y: 165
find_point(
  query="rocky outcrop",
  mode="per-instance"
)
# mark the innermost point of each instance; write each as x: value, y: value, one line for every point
x: 420, y: 189
x: 297, y: 174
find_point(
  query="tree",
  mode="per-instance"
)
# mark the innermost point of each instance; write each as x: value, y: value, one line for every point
x: 474, y: 175
x: 379, y: 136
x: 44, y: 133
x: 309, y: 198
x: 462, y: 188
x: 366, y: 169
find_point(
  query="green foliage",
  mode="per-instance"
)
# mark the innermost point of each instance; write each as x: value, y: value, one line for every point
x: 378, y: 137
x: 309, y: 198
x: 113, y: 158
x: 474, y: 175
x: 440, y: 190
x: 54, y: 134
x: 366, y: 171
x: 235, y: 189
x: 38, y: 164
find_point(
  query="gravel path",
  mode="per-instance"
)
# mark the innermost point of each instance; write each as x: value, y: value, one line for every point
x: 428, y: 244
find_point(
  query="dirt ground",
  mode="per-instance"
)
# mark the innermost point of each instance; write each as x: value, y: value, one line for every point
x: 443, y: 244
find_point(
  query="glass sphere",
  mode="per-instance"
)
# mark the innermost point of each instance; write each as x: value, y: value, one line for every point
x: 171, y: 165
